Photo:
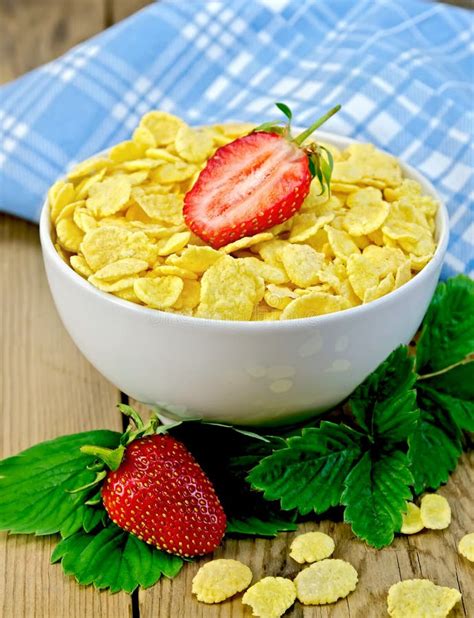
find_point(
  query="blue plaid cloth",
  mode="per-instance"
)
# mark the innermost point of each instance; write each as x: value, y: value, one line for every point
x: 403, y: 70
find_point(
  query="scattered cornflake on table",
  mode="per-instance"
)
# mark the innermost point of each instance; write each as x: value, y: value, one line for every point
x: 270, y: 597
x: 411, y: 520
x: 311, y: 547
x: 420, y: 598
x: 466, y: 546
x: 435, y: 512
x: 220, y: 579
x: 325, y: 582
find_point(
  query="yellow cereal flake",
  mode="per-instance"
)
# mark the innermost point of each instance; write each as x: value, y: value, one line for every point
x: 112, y: 286
x: 128, y: 294
x: 103, y: 246
x: 109, y: 196
x: 341, y: 243
x: 220, y: 579
x: 168, y: 269
x: 365, y: 164
x: 169, y: 173
x: 268, y: 272
x: 127, y: 151
x: 367, y: 211
x: 247, y: 241
x: 302, y: 263
x: 311, y: 547
x: 411, y: 520
x: 194, y: 258
x: 193, y: 146
x: 158, y: 293
x: 163, y: 126
x: 279, y: 297
x: 80, y: 266
x: 362, y: 274
x: 83, y: 218
x: 164, y: 208
x: 384, y: 287
x: 144, y: 137
x: 83, y: 188
x: 435, y: 512
x: 60, y: 195
x: 403, y: 274
x: 190, y: 296
x: 270, y: 597
x: 312, y: 304
x: 325, y: 582
x: 307, y: 224
x: 69, y: 235
x: 63, y: 254
x: 420, y: 598
x: 270, y: 251
x: 384, y: 260
x: 174, y: 243
x: 87, y: 167
x: 121, y: 268
x: 227, y: 292
x: 466, y: 546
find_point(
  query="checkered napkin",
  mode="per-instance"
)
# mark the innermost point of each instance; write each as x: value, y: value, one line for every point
x: 403, y: 70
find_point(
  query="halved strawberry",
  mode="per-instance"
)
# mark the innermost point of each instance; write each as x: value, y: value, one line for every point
x: 254, y: 183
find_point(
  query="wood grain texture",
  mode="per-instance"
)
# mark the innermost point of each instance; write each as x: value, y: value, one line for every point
x: 33, y: 32
x: 123, y: 8
x: 47, y: 389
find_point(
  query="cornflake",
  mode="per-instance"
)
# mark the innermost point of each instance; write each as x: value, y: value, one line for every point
x: 117, y: 220
x: 411, y: 520
x: 221, y: 579
x: 270, y: 597
x: 420, y: 598
x: 466, y: 546
x: 325, y: 582
x: 311, y: 547
x: 435, y: 512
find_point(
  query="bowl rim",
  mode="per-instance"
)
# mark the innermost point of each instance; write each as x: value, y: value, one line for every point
x: 442, y: 223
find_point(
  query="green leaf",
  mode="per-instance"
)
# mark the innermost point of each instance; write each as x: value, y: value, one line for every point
x: 384, y: 404
x: 460, y: 410
x: 375, y: 496
x: 309, y: 473
x: 435, y: 445
x: 35, y: 485
x: 285, y: 109
x: 447, y: 334
x: 114, y: 559
x: 253, y: 526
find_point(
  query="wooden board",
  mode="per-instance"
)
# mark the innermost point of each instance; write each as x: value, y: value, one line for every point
x: 47, y: 389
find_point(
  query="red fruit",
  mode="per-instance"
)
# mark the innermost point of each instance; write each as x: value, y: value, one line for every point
x: 160, y: 494
x: 249, y: 185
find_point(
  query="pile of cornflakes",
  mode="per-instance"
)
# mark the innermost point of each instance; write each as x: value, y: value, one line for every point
x: 118, y: 222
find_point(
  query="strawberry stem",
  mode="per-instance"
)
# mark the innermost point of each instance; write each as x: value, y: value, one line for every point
x: 112, y: 458
x: 302, y: 136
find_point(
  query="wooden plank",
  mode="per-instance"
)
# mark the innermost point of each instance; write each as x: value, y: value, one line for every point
x: 123, y: 8
x: 33, y: 32
x: 48, y: 389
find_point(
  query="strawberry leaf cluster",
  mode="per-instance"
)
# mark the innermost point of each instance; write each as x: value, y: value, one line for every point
x: 404, y: 435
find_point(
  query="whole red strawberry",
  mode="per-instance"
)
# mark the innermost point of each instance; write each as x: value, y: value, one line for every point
x: 255, y: 182
x: 160, y: 494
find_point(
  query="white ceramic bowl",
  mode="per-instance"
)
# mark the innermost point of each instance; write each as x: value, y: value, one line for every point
x: 245, y: 373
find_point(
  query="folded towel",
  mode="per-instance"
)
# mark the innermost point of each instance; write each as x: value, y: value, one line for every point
x: 402, y: 69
